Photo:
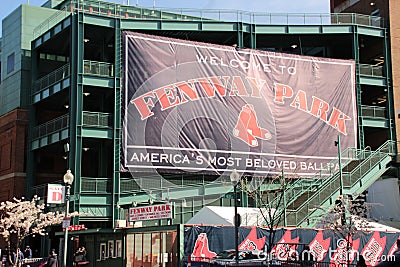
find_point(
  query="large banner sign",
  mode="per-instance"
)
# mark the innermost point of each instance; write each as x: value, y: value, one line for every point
x: 197, y: 107
x: 203, y: 243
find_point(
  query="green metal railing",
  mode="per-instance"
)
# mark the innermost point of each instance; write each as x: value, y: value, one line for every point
x: 371, y: 70
x: 329, y: 189
x: 97, y: 119
x: 130, y: 185
x: 50, y: 127
x: 93, y: 119
x: 51, y: 78
x: 98, y: 68
x: 190, y: 14
x: 96, y: 185
x: 353, y: 177
x: 373, y: 112
x: 51, y: 22
x: 41, y: 190
x: 131, y: 189
x: 302, y: 186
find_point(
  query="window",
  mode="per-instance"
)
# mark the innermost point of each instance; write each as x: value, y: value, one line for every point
x: 10, y: 63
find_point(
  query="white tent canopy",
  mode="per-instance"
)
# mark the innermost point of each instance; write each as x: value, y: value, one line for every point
x: 215, y: 215
x: 385, y: 199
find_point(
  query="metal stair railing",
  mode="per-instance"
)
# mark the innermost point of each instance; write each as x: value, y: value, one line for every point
x: 354, y: 176
x: 300, y: 186
x: 328, y: 190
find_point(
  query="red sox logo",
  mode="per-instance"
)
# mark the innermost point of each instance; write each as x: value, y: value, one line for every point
x: 201, y: 252
x: 247, y: 128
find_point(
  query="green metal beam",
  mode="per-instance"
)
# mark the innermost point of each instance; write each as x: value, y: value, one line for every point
x: 89, y: 80
x: 377, y: 81
x: 75, y: 98
x: 117, y: 124
x: 97, y: 133
x: 377, y: 123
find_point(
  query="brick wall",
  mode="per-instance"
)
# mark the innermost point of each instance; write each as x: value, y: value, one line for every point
x: 13, y: 138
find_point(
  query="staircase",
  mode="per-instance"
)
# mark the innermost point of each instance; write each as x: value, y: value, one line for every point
x: 299, y: 190
x: 358, y: 173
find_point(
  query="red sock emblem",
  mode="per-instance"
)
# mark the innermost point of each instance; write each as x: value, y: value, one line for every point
x: 247, y: 128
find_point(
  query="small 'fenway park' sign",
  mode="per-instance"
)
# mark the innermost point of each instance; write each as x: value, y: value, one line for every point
x: 153, y: 212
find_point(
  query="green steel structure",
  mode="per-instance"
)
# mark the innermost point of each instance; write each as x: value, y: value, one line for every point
x: 75, y: 99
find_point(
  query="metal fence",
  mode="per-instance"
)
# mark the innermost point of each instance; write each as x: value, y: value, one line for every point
x: 52, y: 126
x: 371, y: 70
x: 373, y: 112
x: 96, y: 185
x: 97, y: 119
x: 51, y: 78
x: 98, y: 68
x: 191, y: 14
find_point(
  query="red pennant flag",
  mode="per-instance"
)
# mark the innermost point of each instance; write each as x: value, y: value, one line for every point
x: 373, y: 250
x: 251, y: 242
x: 346, y: 251
x: 319, y: 246
x: 201, y: 252
x: 393, y: 249
x: 286, y: 247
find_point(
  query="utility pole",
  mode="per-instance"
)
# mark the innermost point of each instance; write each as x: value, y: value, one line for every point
x: 337, y: 143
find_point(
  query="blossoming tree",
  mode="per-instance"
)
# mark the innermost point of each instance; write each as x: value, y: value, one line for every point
x: 20, y: 218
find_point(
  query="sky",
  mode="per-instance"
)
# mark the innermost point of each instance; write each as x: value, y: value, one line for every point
x: 268, y: 6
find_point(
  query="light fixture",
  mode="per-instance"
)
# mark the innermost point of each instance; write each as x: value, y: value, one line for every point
x: 86, y: 94
x: 134, y: 202
x: 362, y: 45
x: 235, y: 178
x: 66, y: 147
x: 68, y: 180
x: 86, y: 149
x: 372, y: 3
x: 379, y: 61
x: 66, y: 106
x: 294, y: 46
x: 86, y: 40
x: 68, y: 177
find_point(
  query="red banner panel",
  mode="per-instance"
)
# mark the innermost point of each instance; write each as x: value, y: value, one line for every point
x: 204, y: 108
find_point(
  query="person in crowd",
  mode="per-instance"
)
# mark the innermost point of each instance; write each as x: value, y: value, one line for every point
x: 52, y: 261
x: 20, y: 256
x: 83, y: 252
x: 80, y: 256
x: 28, y: 252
